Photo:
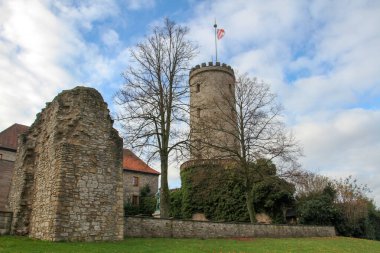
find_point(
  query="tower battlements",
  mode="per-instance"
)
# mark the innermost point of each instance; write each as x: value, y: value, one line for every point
x: 210, y: 66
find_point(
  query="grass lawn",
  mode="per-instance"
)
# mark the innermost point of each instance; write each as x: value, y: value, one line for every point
x: 335, y: 244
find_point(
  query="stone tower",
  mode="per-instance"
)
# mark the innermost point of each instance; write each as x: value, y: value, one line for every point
x: 213, y: 136
x: 212, y: 111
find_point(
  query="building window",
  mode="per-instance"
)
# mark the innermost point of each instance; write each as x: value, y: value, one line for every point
x: 1, y: 156
x: 135, y: 200
x: 198, y: 112
x: 135, y: 181
x: 198, y: 87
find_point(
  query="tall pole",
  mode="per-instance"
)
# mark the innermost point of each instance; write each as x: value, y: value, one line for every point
x: 216, y: 46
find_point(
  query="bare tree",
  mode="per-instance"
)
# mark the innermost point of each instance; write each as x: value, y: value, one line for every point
x: 153, y: 99
x: 257, y: 127
x: 308, y: 183
x: 351, y: 198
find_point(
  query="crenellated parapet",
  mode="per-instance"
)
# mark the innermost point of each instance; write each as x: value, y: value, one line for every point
x: 211, y: 66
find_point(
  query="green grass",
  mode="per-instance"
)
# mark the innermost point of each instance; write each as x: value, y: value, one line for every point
x: 335, y: 244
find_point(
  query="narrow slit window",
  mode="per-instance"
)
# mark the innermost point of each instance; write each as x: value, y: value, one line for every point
x: 198, y: 112
x: 198, y: 87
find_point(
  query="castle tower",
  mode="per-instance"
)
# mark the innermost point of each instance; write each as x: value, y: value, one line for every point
x: 213, y: 137
x: 212, y: 111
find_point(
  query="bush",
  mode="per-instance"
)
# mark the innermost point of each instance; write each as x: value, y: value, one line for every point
x: 218, y: 192
x: 273, y: 196
x: 176, y: 203
x: 319, y: 209
x: 215, y: 191
x: 147, y: 204
x: 130, y: 209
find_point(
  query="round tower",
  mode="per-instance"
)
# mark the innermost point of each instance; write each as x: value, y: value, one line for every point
x: 212, y: 111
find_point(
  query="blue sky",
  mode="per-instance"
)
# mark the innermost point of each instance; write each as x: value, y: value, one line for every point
x: 320, y: 57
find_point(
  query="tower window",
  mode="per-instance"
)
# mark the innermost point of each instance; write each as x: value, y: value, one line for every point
x: 198, y: 87
x: 198, y: 112
x: 230, y: 87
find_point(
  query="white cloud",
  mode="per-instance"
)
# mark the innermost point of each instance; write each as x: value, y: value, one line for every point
x: 110, y: 38
x: 83, y: 13
x: 43, y: 50
x: 31, y: 51
x: 140, y: 4
x: 345, y: 143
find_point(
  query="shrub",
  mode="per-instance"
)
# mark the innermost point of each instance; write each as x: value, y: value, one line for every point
x: 147, y: 204
x: 176, y: 203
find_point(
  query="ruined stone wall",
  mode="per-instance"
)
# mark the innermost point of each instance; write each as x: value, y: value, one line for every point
x: 151, y: 227
x: 212, y: 113
x: 67, y: 182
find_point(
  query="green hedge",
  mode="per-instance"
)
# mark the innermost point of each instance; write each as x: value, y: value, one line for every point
x: 147, y: 204
x: 176, y: 203
x: 215, y: 191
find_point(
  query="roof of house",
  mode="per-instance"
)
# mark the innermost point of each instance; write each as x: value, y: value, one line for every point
x: 132, y: 163
x: 8, y: 137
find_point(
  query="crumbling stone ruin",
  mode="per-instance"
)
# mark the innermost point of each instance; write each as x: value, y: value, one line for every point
x: 67, y: 181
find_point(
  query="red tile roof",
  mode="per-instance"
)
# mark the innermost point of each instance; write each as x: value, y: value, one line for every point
x: 133, y: 163
x: 8, y: 137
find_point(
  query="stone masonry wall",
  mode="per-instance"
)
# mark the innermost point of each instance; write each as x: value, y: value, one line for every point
x: 5, y: 222
x: 144, y: 179
x: 151, y: 227
x: 6, y: 169
x: 67, y: 181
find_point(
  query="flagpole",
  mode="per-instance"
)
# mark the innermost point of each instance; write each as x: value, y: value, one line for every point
x: 216, y: 47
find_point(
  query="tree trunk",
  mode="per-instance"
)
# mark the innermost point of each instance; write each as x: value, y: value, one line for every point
x: 251, y: 209
x: 164, y: 192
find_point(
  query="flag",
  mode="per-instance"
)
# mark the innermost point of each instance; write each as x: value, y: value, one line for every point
x: 219, y: 33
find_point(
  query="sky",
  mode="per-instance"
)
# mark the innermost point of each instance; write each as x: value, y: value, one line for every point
x: 321, y: 57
